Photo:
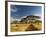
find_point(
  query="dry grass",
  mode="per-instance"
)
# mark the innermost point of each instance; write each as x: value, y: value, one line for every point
x: 19, y: 27
x: 23, y: 27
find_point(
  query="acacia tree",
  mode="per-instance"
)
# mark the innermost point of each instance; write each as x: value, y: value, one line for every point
x: 38, y: 21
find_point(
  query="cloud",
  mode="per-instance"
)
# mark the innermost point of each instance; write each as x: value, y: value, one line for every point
x: 14, y: 19
x: 14, y: 10
x: 23, y: 16
x: 18, y: 19
x: 37, y: 15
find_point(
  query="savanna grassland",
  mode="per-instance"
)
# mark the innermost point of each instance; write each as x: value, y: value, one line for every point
x: 25, y: 27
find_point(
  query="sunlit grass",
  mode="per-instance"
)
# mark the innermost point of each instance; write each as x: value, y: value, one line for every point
x: 22, y: 27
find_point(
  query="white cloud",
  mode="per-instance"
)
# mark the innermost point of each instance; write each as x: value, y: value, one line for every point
x: 18, y: 19
x: 37, y: 15
x: 14, y: 19
x: 14, y: 10
x: 24, y: 17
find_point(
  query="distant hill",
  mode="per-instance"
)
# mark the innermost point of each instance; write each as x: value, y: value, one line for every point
x: 30, y: 18
x: 27, y: 19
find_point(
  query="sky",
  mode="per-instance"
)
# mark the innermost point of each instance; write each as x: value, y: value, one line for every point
x: 19, y: 11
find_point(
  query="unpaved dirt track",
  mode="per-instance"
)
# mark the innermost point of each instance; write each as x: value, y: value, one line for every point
x: 24, y: 27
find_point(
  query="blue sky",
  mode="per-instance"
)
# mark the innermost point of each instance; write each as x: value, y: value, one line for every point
x: 18, y: 11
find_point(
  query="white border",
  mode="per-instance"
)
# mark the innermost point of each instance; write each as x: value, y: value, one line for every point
x: 29, y: 32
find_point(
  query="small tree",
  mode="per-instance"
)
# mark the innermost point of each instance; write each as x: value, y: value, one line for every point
x: 38, y: 21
